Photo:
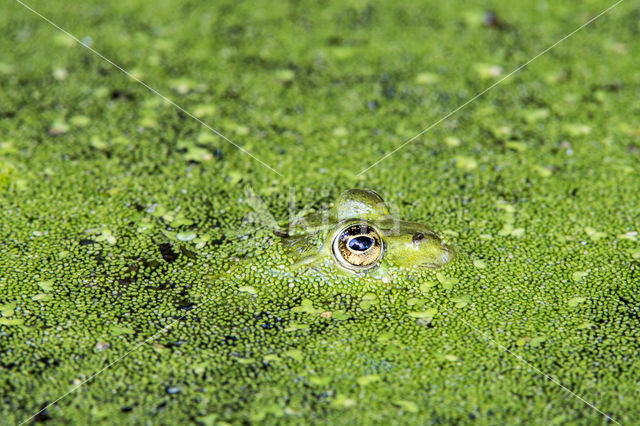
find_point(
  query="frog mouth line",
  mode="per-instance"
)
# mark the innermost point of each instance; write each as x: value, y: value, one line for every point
x: 445, y: 258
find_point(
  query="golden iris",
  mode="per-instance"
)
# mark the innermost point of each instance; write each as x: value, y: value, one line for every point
x: 358, y: 246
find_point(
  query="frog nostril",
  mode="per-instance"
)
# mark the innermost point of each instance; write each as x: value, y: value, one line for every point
x: 361, y: 243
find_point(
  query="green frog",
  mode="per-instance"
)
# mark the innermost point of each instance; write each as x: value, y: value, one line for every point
x: 359, y: 236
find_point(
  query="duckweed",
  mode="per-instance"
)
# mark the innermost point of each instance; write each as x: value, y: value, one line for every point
x: 124, y: 221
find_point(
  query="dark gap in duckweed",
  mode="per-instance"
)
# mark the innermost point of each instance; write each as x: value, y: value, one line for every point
x: 186, y: 252
x: 167, y: 252
x: 186, y: 305
x: 176, y: 343
x: 269, y: 321
x: 150, y: 266
x: 43, y: 415
x: 125, y: 282
x: 120, y: 95
x: 492, y: 20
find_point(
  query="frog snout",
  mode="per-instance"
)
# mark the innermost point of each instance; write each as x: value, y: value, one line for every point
x: 433, y: 247
x: 448, y: 253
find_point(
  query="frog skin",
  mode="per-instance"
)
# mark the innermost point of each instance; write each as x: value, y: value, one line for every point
x: 360, y: 236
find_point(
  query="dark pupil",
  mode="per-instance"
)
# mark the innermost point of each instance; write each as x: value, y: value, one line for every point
x: 361, y: 243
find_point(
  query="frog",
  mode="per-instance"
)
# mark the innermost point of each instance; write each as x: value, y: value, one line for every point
x: 359, y: 236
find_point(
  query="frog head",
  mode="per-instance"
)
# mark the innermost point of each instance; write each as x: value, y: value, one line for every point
x: 359, y: 235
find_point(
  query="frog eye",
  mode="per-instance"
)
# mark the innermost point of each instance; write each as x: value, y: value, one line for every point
x: 358, y: 247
